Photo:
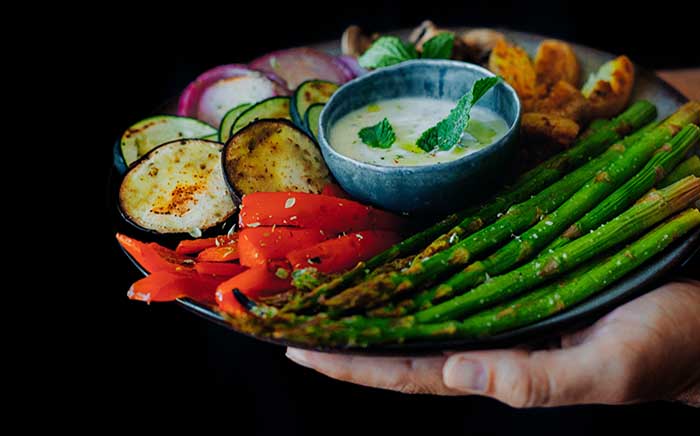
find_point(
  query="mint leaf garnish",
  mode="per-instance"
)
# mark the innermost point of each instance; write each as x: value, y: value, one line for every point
x: 381, y: 135
x: 446, y: 133
x: 480, y: 131
x: 386, y: 51
x: 439, y: 46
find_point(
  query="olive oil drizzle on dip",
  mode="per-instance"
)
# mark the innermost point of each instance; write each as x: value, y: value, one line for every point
x: 409, y: 117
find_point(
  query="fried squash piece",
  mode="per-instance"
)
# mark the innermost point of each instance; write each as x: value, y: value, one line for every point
x: 556, y: 61
x: 609, y: 89
x: 564, y: 100
x: 548, y: 127
x: 514, y: 65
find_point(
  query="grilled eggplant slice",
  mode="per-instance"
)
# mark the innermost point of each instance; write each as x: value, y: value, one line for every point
x: 272, y: 156
x: 149, y: 133
x: 177, y: 187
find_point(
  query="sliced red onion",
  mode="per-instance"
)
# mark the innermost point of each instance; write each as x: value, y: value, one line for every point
x: 299, y: 64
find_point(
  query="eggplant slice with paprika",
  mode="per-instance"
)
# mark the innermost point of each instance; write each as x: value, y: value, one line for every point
x: 177, y: 187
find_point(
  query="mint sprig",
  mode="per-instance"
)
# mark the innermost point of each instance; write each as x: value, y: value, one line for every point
x: 386, y: 51
x: 439, y: 46
x: 446, y: 133
x: 390, y: 50
x: 380, y: 135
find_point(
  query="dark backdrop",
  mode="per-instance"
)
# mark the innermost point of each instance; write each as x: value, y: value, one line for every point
x: 170, y: 367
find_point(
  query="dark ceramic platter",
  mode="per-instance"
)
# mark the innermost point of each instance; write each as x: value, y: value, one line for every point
x: 648, y: 86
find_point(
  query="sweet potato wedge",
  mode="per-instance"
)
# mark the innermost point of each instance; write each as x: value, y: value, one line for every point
x: 514, y: 65
x: 556, y: 61
x: 549, y: 127
x: 609, y: 89
x: 564, y: 100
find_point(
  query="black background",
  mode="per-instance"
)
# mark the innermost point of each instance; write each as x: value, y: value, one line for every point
x: 166, y: 366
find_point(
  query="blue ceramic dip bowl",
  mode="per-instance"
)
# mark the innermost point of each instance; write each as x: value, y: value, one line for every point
x: 426, y: 188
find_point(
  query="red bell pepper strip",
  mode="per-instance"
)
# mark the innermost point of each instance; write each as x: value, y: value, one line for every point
x: 333, y: 190
x: 153, y: 257
x: 343, y: 253
x: 169, y: 285
x: 312, y: 211
x: 259, y: 281
x: 223, y: 270
x: 226, y: 253
x: 194, y: 246
x: 261, y: 244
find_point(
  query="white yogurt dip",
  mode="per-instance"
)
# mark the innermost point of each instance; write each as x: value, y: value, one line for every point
x: 409, y: 117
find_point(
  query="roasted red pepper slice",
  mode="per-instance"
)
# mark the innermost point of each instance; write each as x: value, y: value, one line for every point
x: 194, y: 246
x: 169, y: 285
x: 311, y: 211
x: 153, y: 257
x: 259, y: 281
x: 340, y: 254
x: 259, y: 245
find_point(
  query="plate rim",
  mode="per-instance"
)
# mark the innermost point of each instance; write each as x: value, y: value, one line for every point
x: 581, y: 314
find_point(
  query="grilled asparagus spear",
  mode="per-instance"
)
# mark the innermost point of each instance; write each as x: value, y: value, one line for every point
x: 593, y: 142
x: 544, y: 302
x: 533, y: 240
x: 383, y: 287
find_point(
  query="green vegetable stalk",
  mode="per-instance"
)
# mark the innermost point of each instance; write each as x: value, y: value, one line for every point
x: 665, y: 159
x: 651, y: 209
x: 470, y: 220
x: 383, y: 287
x: 690, y: 166
x: 581, y: 284
x: 592, y: 143
x: 542, y: 303
x: 537, y: 237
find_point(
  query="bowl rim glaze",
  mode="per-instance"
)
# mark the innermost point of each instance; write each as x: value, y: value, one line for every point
x: 494, y: 147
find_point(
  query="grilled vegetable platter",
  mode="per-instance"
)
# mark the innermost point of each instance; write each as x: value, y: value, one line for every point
x: 227, y: 206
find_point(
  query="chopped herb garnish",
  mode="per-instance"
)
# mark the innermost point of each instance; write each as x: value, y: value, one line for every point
x: 381, y: 135
x: 386, y: 51
x: 446, y: 133
x: 439, y: 46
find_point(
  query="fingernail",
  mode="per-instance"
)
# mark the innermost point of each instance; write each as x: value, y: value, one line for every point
x: 298, y: 356
x: 466, y: 375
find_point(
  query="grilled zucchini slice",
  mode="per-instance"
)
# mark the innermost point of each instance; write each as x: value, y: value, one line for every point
x: 311, y: 117
x: 151, y: 132
x: 272, y: 108
x: 228, y: 120
x: 308, y: 93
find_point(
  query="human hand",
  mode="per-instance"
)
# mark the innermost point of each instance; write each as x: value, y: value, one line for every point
x: 647, y: 349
